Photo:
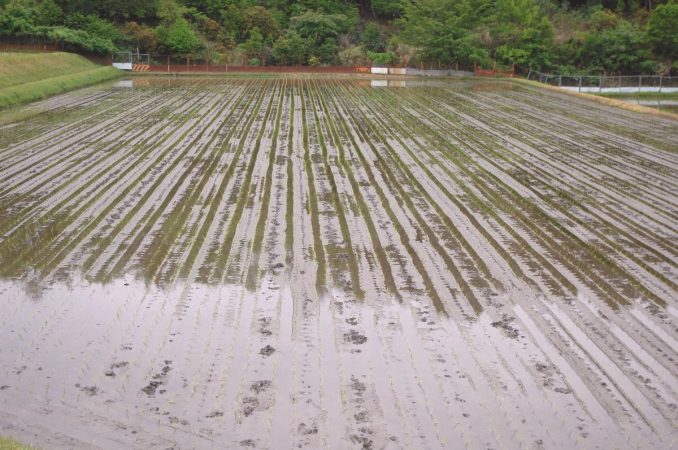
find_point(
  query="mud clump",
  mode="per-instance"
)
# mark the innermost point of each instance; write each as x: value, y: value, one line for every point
x: 267, y: 350
x: 260, y: 386
x: 214, y: 414
x: 250, y: 404
x: 306, y: 430
x: 151, y: 388
x: 248, y: 443
x: 3, y: 387
x: 505, y: 325
x: 111, y: 372
x: 89, y: 390
x: 354, y: 337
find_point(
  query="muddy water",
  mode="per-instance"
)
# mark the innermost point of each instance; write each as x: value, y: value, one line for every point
x: 669, y: 104
x: 337, y: 263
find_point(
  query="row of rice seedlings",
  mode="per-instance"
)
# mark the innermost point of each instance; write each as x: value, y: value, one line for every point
x: 569, y: 240
x: 162, y: 158
x: 395, y: 183
x: 258, y: 239
x: 200, y: 231
x: 289, y: 200
x: 319, y: 251
x: 528, y: 122
x: 61, y: 121
x: 134, y: 133
x: 646, y: 129
x: 315, y: 95
x: 417, y: 133
x: 567, y: 250
x: 250, y: 112
x: 365, y: 213
x: 600, y: 250
x: 359, y: 131
x: 224, y: 252
x: 204, y: 163
x: 47, y: 228
x: 609, y: 209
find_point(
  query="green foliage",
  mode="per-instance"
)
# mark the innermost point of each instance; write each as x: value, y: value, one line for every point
x: 617, y: 47
x: 291, y: 50
x: 178, y: 37
x: 446, y: 30
x: 93, y: 25
x: 317, y: 26
x: 33, y: 76
x: 580, y: 36
x: 373, y: 39
x: 521, y: 33
x: 662, y: 30
x: 388, y: 8
x: 254, y: 47
x: 382, y: 58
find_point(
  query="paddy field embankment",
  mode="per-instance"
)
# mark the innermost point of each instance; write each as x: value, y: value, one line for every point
x: 27, y: 77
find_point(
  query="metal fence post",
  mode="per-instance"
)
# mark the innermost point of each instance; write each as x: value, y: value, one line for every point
x: 640, y: 83
x: 600, y: 85
x: 580, y: 78
x: 660, y: 84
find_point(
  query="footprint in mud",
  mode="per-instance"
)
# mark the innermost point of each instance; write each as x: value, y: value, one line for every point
x: 505, y: 325
x: 250, y: 404
x: 354, y: 337
x: 89, y: 390
x: 306, y: 430
x: 154, y: 384
x: 175, y: 420
x: 260, y: 386
x: 116, y: 365
x: 151, y: 388
x: 352, y: 321
x: 267, y: 350
x: 264, y: 323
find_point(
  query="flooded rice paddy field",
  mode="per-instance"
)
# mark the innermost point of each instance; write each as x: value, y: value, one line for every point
x: 333, y: 263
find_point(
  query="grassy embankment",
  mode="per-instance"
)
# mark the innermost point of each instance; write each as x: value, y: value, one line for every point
x: 605, y: 100
x: 27, y: 77
x: 9, y: 444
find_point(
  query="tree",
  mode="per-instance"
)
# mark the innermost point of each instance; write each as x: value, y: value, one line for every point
x: 521, y: 34
x: 372, y: 38
x: 446, y: 31
x: 254, y: 47
x: 178, y: 37
x: 291, y: 49
x: 662, y: 30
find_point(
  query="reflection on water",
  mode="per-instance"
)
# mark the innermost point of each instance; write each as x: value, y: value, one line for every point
x: 668, y: 104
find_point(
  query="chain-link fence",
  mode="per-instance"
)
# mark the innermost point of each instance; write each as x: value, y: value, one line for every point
x: 608, y: 84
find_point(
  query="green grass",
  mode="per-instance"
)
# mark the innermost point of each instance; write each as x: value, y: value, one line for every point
x: 27, y: 77
x: 641, y: 95
x: 9, y: 444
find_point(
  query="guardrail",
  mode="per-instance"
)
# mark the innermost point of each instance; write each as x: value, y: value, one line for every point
x: 608, y: 84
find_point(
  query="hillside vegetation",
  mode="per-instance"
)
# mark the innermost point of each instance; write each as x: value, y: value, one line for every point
x: 591, y: 36
x: 26, y: 77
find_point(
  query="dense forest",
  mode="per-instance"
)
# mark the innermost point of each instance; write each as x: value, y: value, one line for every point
x: 594, y: 36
